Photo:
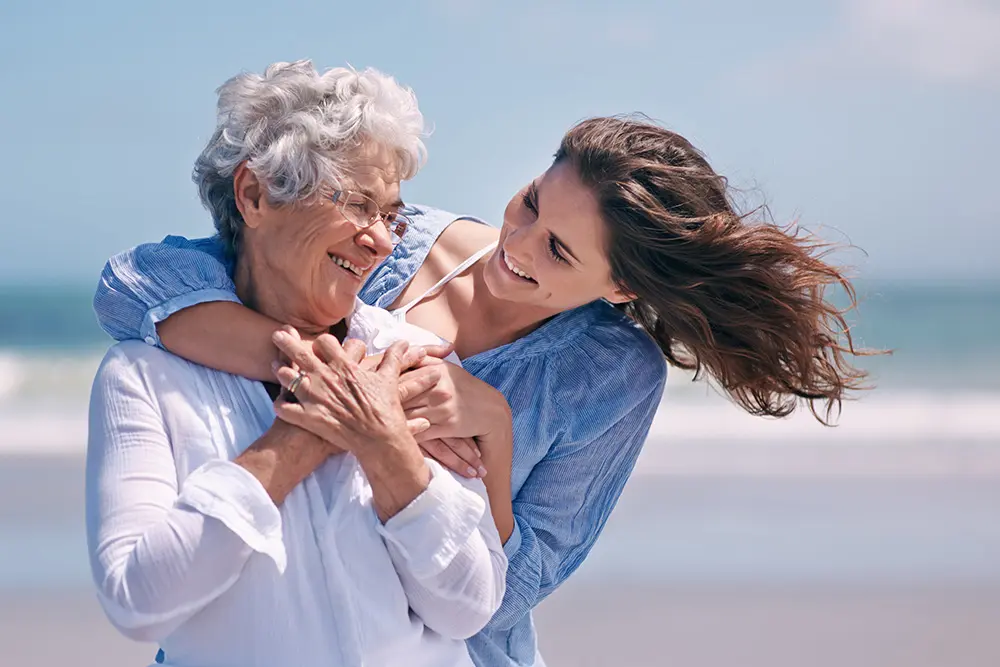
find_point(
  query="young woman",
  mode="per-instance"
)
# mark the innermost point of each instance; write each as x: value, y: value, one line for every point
x: 626, y: 251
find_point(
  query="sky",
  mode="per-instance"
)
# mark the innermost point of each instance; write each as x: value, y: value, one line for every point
x: 874, y: 123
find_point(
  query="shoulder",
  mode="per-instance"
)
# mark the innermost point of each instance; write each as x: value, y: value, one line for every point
x: 175, y: 254
x: 134, y: 362
x: 463, y: 238
x: 427, y: 223
x: 616, y: 361
x: 134, y: 355
x: 456, y: 237
x: 613, y: 331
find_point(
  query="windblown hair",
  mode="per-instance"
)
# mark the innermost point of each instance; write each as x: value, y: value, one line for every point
x: 298, y: 130
x: 718, y: 291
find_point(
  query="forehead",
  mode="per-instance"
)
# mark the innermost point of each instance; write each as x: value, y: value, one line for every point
x: 572, y: 212
x: 373, y: 170
x: 561, y: 184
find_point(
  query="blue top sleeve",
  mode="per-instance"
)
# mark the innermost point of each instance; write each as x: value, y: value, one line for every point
x: 147, y: 284
x: 566, y: 500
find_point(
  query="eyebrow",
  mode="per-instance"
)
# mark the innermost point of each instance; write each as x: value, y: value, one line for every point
x: 559, y: 241
x: 371, y: 195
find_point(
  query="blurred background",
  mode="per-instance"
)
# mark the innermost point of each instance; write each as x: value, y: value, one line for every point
x: 739, y: 540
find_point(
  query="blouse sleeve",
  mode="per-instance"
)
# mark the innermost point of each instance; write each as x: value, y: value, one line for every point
x: 161, y: 550
x: 448, y: 555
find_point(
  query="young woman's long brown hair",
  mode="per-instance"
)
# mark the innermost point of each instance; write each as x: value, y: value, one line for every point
x: 718, y: 291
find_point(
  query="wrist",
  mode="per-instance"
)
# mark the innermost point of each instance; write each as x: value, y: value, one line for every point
x: 281, y: 458
x: 388, y: 457
x: 397, y: 473
x: 499, y: 418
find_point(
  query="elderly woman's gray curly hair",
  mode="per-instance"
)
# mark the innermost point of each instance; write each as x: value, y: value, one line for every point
x: 298, y: 130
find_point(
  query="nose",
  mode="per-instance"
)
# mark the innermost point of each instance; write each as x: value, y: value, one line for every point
x: 376, y: 240
x: 519, y: 243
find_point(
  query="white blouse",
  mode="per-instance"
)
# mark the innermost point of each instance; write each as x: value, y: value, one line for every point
x: 188, y: 550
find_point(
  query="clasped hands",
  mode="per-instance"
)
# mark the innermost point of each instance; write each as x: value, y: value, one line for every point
x: 408, y: 395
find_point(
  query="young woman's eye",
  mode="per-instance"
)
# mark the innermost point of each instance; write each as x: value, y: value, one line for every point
x: 554, y: 250
x: 528, y: 198
x: 528, y: 204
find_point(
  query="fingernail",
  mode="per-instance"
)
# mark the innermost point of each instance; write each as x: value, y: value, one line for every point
x: 278, y: 336
x: 479, y: 454
x: 482, y: 471
x: 471, y: 471
x: 274, y: 367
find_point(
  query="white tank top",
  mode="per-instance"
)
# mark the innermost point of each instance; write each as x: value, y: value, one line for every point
x: 400, y: 313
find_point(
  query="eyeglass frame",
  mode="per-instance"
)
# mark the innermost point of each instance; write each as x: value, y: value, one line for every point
x: 396, y: 227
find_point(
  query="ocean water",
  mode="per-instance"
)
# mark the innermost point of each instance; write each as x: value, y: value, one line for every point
x: 945, y: 342
x: 740, y: 506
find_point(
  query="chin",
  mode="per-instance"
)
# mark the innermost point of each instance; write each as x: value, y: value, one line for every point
x: 495, y: 283
x: 335, y: 308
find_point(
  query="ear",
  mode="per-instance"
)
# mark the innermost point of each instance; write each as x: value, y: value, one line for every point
x: 619, y: 295
x: 249, y: 193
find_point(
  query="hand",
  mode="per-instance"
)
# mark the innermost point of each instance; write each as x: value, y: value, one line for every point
x: 341, y: 402
x: 461, y: 409
x: 371, y: 362
x: 280, y: 359
x: 461, y: 455
x: 359, y: 410
x: 412, y: 357
x: 455, y: 402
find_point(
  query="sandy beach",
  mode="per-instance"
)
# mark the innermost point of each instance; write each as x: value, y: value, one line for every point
x: 637, y: 626
x: 701, y: 565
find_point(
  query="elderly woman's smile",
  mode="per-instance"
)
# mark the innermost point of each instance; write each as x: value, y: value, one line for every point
x: 352, y: 269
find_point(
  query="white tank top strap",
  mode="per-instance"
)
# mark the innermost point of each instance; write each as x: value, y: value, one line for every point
x: 457, y: 271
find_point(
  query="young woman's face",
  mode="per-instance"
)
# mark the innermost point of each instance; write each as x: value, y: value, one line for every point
x: 552, y: 253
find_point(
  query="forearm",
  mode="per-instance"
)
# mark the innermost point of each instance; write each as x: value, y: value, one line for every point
x: 223, y: 335
x: 397, y: 473
x: 496, y: 447
x: 283, y: 457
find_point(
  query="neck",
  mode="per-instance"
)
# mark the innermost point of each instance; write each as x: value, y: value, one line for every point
x: 498, y: 322
x: 267, y: 297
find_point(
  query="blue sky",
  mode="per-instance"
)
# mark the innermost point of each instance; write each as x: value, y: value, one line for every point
x: 871, y: 121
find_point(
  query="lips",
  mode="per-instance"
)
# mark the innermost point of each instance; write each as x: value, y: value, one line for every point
x: 515, y: 269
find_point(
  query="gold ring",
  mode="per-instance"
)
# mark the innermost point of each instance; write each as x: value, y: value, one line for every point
x: 296, y: 382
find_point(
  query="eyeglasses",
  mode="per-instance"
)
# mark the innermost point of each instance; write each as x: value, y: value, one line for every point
x: 363, y: 212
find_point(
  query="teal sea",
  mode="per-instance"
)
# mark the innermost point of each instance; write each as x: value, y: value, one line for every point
x: 944, y: 337
x: 944, y: 340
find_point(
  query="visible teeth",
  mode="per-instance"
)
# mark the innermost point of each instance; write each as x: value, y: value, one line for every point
x: 347, y: 265
x: 514, y: 268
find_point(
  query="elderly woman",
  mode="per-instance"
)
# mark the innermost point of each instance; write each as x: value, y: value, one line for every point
x: 233, y: 538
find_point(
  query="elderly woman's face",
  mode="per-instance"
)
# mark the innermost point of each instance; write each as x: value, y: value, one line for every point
x: 297, y: 253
